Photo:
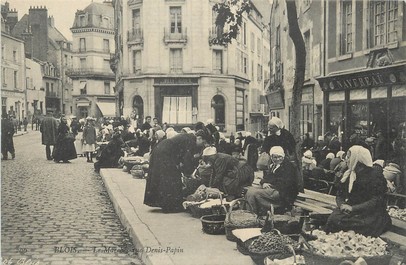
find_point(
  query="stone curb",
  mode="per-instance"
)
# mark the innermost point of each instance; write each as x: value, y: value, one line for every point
x: 139, y: 232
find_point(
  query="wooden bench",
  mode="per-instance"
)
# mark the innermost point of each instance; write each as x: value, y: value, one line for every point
x: 320, y: 204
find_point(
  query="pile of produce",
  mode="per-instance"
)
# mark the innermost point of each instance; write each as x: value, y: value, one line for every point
x: 397, y: 213
x: 272, y: 243
x: 347, y: 244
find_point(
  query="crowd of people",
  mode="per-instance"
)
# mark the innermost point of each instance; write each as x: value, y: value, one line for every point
x: 180, y: 161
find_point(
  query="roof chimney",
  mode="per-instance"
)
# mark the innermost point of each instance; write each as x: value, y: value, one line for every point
x: 51, y: 21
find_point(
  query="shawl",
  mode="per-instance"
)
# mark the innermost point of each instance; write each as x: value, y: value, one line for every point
x: 358, y: 154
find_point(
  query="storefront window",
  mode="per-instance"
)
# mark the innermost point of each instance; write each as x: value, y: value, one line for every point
x: 335, y: 123
x: 177, y: 110
x: 397, y: 116
x: 358, y: 120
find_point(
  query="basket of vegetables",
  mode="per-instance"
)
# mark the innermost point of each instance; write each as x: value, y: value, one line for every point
x: 272, y: 245
x: 238, y: 219
x: 209, y: 206
x: 334, y: 248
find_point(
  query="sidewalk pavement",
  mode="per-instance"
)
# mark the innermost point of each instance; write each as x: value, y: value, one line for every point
x: 165, y: 239
x: 19, y: 133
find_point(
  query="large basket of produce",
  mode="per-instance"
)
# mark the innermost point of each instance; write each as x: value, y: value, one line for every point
x: 397, y: 213
x: 286, y: 224
x: 291, y: 259
x: 271, y: 244
x: 209, y: 206
x: 243, y: 235
x: 238, y: 219
x: 213, y: 224
x: 334, y: 248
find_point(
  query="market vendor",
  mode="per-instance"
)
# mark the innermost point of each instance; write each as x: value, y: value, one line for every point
x: 230, y: 174
x: 360, y: 197
x: 279, y: 186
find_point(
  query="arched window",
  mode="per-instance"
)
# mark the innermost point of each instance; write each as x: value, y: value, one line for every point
x: 218, y: 105
x: 138, y: 109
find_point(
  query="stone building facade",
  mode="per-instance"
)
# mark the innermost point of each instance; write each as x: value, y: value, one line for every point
x: 93, y: 43
x: 12, y: 76
x: 169, y: 67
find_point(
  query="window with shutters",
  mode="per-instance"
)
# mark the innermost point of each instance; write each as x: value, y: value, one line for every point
x: 218, y: 61
x: 83, y: 63
x: 307, y: 46
x: 176, y: 60
x: 15, y: 79
x: 136, y: 19
x: 106, y: 45
x: 136, y: 62
x: 176, y: 19
x: 346, y: 35
x: 107, y: 88
x: 82, y: 44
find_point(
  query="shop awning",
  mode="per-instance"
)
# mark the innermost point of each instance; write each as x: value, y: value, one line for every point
x: 108, y: 109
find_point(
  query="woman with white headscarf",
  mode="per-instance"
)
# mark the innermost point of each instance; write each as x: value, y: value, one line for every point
x: 360, y: 197
x: 279, y: 187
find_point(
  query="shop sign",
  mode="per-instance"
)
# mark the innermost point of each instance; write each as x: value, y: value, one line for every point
x: 372, y: 78
x: 175, y: 81
x: 275, y: 100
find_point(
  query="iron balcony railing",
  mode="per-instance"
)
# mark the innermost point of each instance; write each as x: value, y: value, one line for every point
x: 135, y: 35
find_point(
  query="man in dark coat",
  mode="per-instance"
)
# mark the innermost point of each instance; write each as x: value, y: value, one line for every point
x: 7, y: 132
x: 169, y: 159
x: 49, y: 130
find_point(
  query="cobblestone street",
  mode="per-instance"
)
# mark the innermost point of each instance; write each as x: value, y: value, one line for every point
x: 57, y: 213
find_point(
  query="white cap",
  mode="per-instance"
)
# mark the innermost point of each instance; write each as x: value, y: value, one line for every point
x: 276, y: 121
x: 208, y: 151
x: 277, y: 150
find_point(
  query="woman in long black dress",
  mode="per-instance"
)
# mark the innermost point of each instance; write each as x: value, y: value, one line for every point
x: 360, y: 197
x: 169, y: 159
x: 65, y: 148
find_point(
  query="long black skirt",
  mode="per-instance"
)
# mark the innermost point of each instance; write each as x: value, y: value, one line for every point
x: 64, y: 150
x: 164, y: 182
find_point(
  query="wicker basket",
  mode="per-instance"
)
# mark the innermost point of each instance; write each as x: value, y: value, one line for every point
x: 198, y: 211
x: 313, y: 258
x: 213, y: 224
x: 259, y: 258
x: 239, y: 219
x: 269, y: 259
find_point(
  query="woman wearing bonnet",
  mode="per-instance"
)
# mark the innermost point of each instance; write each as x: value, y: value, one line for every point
x: 360, y: 197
